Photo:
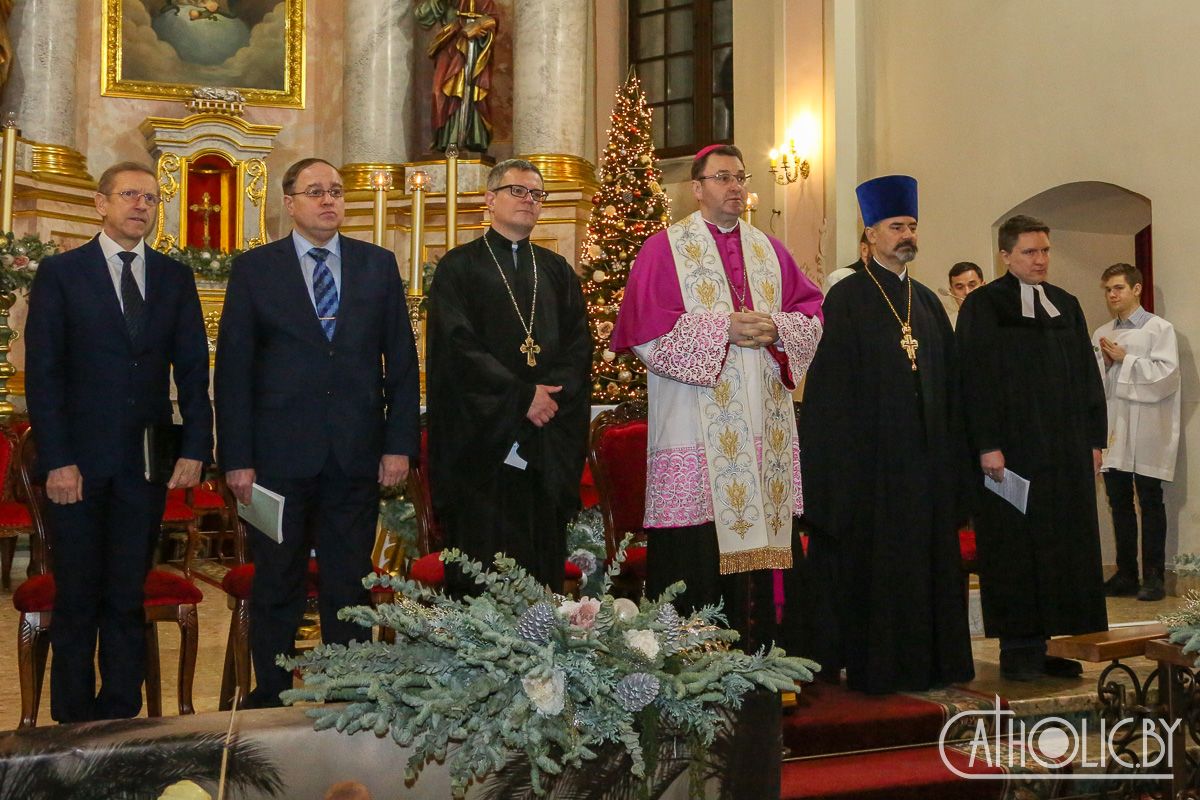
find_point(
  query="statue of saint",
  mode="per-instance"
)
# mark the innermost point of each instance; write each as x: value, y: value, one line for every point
x: 6, y: 51
x: 462, y: 70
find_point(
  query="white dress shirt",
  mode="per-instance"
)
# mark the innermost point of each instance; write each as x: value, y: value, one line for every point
x: 116, y: 265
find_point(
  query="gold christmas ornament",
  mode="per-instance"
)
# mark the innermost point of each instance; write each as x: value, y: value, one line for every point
x: 599, y: 275
x: 624, y: 376
x: 594, y: 251
x: 610, y: 211
x: 604, y: 328
x: 608, y: 355
x: 654, y: 187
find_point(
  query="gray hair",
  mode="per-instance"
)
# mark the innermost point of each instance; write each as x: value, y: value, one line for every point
x: 496, y: 176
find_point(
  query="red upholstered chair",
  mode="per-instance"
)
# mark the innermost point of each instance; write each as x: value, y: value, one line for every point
x: 970, y: 563
x: 207, y: 503
x: 14, y: 516
x: 617, y: 457
x: 428, y: 568
x: 169, y: 598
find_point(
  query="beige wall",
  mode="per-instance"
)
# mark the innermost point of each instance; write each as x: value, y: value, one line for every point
x: 989, y: 103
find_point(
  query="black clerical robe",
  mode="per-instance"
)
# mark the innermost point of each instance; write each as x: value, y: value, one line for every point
x: 884, y: 458
x: 1032, y: 390
x: 480, y: 387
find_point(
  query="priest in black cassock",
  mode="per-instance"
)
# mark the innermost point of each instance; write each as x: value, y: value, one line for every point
x: 1035, y: 405
x: 508, y: 383
x: 885, y: 463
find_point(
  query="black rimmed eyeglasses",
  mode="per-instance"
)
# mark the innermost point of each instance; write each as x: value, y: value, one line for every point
x: 521, y: 192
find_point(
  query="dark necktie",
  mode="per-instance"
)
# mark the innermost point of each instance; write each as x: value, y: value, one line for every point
x: 131, y: 298
x: 325, y: 293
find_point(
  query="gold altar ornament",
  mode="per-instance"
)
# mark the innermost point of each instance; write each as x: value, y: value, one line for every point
x: 157, y: 54
x: 381, y: 184
x: 205, y: 208
x: 418, y: 183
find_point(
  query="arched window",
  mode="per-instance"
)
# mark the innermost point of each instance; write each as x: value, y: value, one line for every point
x: 683, y: 53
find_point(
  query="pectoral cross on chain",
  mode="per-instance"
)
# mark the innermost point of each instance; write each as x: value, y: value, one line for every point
x: 531, y: 350
x: 909, y: 345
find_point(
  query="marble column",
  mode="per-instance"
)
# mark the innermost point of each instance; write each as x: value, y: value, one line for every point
x: 378, y: 89
x: 550, y: 42
x: 41, y: 84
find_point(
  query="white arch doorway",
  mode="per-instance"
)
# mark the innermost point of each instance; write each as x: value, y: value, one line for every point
x: 1093, y: 225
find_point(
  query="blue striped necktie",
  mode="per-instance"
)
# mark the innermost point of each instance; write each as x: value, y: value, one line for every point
x: 325, y: 293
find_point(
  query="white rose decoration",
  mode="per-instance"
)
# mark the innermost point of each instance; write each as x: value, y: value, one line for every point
x: 642, y: 641
x: 546, y: 694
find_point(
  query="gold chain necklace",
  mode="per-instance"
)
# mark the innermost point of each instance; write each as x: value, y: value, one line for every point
x: 528, y: 348
x: 907, y: 343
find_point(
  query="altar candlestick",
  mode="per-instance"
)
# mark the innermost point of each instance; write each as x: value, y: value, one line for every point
x: 9, y: 165
x: 417, y: 183
x: 381, y: 182
x: 451, y: 197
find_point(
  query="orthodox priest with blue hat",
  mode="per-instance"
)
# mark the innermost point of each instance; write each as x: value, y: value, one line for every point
x: 886, y: 470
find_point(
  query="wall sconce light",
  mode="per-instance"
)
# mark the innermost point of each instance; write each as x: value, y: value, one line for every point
x: 788, y: 167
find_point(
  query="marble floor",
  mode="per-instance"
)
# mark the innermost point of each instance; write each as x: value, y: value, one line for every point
x: 214, y: 627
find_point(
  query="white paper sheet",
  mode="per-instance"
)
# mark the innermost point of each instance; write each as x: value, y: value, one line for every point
x: 1012, y: 487
x: 265, y: 512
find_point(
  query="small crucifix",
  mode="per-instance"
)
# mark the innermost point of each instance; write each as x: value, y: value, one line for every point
x: 206, y: 209
x: 530, y: 350
x: 909, y: 345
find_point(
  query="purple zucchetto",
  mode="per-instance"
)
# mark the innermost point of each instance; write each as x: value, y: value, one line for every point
x: 887, y: 196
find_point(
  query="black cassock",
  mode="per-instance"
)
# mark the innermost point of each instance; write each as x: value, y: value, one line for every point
x: 1032, y: 389
x: 884, y: 460
x: 479, y: 387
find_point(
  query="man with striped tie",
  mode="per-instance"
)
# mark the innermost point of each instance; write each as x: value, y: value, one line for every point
x: 317, y: 395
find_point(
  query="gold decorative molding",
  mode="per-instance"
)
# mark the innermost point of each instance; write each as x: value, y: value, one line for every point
x: 53, y: 159
x: 152, y: 125
x: 563, y: 168
x: 357, y: 177
x: 170, y: 169
x: 254, y: 178
x: 112, y: 56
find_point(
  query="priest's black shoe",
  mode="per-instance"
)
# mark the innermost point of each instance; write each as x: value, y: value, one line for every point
x: 1153, y: 589
x: 1022, y: 664
x: 1120, y: 585
x: 1057, y: 667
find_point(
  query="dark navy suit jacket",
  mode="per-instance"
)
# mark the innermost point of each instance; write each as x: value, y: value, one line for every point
x: 286, y: 396
x: 90, y: 389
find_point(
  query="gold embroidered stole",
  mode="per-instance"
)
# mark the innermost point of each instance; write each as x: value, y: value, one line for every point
x: 752, y: 503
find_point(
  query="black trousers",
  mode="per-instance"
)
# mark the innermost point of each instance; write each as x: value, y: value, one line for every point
x: 336, y: 515
x: 102, y: 547
x: 1120, y: 487
x: 691, y: 555
x: 508, y: 513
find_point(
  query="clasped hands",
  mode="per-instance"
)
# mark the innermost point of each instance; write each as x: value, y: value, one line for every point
x: 753, y: 329
x: 1111, y: 351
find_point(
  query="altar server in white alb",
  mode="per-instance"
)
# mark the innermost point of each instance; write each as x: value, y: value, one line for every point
x: 1140, y: 361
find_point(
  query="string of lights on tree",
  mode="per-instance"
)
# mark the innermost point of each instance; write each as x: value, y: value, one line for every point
x: 629, y: 206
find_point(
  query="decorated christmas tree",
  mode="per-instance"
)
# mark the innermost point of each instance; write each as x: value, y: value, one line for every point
x: 629, y: 206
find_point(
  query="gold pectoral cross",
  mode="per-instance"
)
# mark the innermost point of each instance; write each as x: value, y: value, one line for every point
x: 909, y: 345
x: 205, y: 209
x: 531, y: 350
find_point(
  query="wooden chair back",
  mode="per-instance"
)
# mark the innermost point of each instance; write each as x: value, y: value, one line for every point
x: 30, y: 489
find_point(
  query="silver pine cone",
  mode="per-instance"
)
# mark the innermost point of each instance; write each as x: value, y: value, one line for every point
x: 672, y: 635
x: 636, y: 691
x: 536, y: 623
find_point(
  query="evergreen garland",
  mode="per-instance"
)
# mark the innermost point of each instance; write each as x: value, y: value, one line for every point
x: 519, y: 669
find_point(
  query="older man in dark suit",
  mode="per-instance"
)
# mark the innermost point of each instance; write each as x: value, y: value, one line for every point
x: 317, y: 394
x: 108, y: 322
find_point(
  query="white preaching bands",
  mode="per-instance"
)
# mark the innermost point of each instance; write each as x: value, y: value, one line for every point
x: 1027, y: 291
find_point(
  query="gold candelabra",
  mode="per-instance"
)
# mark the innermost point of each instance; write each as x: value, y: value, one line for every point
x: 451, y: 198
x: 8, y: 180
x: 381, y: 183
x: 787, y: 166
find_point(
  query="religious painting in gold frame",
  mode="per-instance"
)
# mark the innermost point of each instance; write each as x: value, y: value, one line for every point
x: 164, y: 49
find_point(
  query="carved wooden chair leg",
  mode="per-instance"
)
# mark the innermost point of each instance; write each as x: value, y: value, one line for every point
x: 32, y: 646
x: 189, y: 634
x: 228, y: 676
x: 189, y: 548
x: 153, y: 673
x: 239, y: 634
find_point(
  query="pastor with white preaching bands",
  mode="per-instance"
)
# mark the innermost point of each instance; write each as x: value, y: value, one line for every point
x: 886, y: 469
x: 726, y: 324
x: 1034, y: 405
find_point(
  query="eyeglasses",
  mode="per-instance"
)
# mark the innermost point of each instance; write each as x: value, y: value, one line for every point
x: 725, y: 178
x: 313, y: 192
x: 132, y: 196
x: 519, y: 191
